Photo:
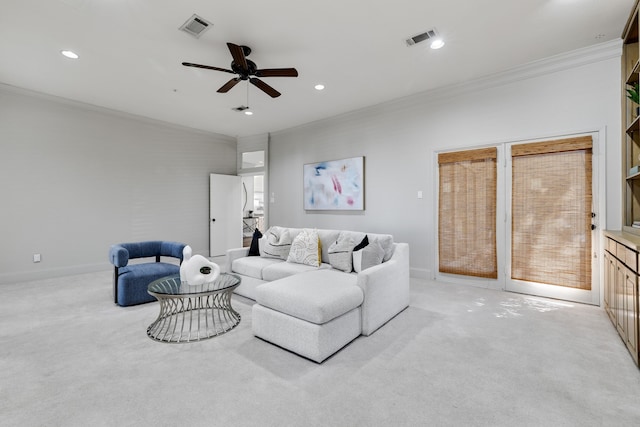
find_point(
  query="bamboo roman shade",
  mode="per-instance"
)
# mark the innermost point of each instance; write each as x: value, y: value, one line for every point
x: 551, y: 212
x: 467, y: 213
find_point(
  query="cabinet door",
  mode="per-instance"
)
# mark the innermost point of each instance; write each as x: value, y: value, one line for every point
x: 609, y: 285
x: 630, y: 311
x: 621, y: 320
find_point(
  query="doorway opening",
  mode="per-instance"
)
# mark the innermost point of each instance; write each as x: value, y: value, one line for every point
x: 252, y: 206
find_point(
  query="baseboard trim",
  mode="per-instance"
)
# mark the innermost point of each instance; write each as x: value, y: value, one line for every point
x: 420, y: 273
x: 28, y: 276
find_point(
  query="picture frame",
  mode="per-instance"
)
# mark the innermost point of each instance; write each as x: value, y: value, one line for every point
x: 334, y: 185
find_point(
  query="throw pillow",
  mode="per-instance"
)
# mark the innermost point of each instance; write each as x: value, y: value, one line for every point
x: 362, y: 244
x: 367, y: 257
x: 341, y: 254
x: 306, y: 249
x: 254, y: 249
x: 386, y: 241
x: 276, y: 243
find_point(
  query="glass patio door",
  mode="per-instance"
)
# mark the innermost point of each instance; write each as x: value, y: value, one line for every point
x: 550, y: 205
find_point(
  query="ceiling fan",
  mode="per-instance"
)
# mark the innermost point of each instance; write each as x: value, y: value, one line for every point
x: 246, y: 69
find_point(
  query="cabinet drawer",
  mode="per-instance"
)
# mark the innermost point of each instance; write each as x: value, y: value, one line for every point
x: 611, y: 246
x: 620, y: 251
x: 631, y: 259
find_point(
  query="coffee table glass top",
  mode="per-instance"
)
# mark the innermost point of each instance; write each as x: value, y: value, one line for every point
x: 171, y: 285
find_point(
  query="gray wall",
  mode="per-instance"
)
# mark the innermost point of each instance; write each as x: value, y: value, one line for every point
x: 75, y: 179
x: 577, y: 92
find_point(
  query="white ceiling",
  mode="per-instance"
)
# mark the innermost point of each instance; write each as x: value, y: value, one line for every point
x: 131, y: 51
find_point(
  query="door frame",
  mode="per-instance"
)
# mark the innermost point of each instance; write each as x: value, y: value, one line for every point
x: 547, y: 290
x: 266, y: 194
x: 503, y: 212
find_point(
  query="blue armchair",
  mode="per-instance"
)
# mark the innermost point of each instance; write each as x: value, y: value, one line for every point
x: 130, y: 282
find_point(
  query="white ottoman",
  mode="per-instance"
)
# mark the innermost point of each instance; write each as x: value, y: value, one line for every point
x: 313, y: 314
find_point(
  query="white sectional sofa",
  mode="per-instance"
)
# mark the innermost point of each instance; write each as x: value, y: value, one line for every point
x: 315, y: 310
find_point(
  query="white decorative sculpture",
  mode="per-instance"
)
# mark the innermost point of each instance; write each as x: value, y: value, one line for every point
x: 197, y: 270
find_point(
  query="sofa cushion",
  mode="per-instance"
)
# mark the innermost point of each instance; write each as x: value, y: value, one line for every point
x: 305, y: 249
x: 341, y: 254
x: 134, y: 279
x: 286, y: 269
x: 367, y: 257
x: 316, y: 297
x: 252, y: 266
x: 276, y: 243
x: 247, y: 287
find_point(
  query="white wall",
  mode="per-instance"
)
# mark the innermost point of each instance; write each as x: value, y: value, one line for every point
x: 75, y: 179
x: 577, y: 92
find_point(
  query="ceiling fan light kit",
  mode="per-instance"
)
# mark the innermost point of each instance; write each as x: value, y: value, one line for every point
x: 69, y: 54
x: 246, y: 69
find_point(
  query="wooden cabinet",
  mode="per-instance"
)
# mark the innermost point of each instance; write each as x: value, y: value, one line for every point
x: 622, y: 247
x: 609, y: 284
x: 630, y: 297
x: 621, y: 286
x: 630, y: 66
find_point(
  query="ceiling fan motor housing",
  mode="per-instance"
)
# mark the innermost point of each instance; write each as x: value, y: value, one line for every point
x: 244, y: 74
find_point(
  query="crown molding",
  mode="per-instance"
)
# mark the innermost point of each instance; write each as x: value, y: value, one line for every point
x: 7, y: 88
x: 553, y: 64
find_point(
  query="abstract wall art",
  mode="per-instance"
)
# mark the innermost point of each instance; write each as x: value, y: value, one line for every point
x: 334, y: 185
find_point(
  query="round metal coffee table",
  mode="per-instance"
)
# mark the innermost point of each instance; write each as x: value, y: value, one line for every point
x: 193, y: 313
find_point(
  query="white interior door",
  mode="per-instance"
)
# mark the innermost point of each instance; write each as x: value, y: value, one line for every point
x: 225, y: 213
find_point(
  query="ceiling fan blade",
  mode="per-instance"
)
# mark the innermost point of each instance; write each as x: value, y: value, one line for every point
x: 265, y: 87
x: 277, y: 72
x: 228, y: 85
x: 207, y: 67
x: 238, y: 56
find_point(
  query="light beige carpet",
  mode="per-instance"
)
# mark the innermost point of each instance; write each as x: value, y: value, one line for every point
x: 457, y: 356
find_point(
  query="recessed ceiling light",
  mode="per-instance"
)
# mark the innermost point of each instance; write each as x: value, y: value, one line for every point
x: 69, y: 54
x: 437, y: 44
x: 319, y: 87
x: 249, y: 113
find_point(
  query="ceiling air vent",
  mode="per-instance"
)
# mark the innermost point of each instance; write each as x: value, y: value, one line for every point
x: 422, y: 37
x: 196, y: 26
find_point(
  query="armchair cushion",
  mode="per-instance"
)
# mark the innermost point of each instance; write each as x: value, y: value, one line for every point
x: 130, y: 282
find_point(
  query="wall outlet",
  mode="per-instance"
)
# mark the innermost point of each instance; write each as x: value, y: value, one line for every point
x: 36, y: 257
x: 419, y: 194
